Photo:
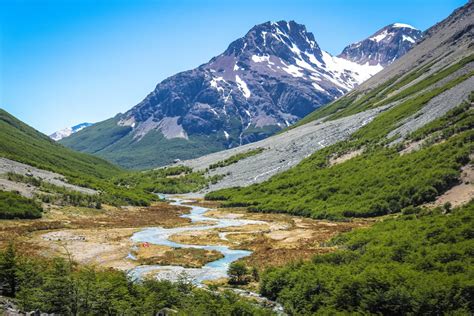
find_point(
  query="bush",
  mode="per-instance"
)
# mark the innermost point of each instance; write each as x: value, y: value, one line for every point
x: 13, y: 205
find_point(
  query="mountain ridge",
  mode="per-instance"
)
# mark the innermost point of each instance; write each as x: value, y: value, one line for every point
x: 263, y: 82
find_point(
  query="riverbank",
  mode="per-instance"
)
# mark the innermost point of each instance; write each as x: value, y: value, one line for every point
x: 104, y: 237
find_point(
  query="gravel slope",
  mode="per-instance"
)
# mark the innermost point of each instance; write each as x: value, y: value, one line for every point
x: 7, y: 165
x: 282, y: 151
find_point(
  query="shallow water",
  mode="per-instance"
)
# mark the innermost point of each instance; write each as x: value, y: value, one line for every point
x: 211, y: 271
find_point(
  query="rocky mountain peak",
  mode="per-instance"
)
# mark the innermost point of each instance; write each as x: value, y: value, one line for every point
x: 384, y: 46
x: 281, y: 38
x: 263, y: 82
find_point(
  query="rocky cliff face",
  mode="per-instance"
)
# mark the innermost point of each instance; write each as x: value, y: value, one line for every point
x: 264, y: 81
x: 383, y: 47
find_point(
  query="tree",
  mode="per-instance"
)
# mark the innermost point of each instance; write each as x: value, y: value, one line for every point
x: 8, y: 271
x: 238, y: 273
x: 58, y: 288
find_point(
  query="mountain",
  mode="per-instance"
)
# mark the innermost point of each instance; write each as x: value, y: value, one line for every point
x: 68, y: 131
x: 265, y: 81
x: 401, y: 139
x: 22, y: 143
x: 384, y: 46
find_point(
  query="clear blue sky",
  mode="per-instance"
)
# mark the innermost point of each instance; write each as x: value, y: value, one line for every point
x: 63, y: 62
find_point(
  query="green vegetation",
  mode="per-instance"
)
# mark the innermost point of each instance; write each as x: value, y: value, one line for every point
x: 179, y: 179
x: 115, y: 143
x: 115, y: 186
x: 238, y: 273
x: 22, y: 143
x: 381, y: 181
x: 235, y: 158
x: 59, y: 286
x: 13, y: 205
x: 454, y: 122
x: 418, y: 264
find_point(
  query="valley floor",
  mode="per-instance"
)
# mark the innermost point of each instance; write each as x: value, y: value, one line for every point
x: 102, y: 237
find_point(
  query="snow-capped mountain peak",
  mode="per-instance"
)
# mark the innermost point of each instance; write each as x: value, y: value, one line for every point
x: 403, y: 25
x: 384, y: 46
x: 68, y: 131
x: 263, y: 82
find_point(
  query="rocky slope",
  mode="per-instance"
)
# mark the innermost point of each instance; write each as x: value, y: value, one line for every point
x: 265, y: 81
x: 434, y: 77
x: 383, y: 47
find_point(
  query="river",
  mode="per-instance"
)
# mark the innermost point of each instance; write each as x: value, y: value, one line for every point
x: 212, y: 270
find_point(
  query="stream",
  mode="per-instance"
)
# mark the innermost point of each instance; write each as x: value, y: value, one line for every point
x: 212, y: 270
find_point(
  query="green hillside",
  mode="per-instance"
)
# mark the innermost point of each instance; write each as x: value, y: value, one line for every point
x: 22, y: 143
x: 356, y: 102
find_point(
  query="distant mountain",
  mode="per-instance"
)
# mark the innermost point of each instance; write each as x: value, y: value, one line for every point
x: 265, y: 81
x: 383, y: 47
x: 68, y: 131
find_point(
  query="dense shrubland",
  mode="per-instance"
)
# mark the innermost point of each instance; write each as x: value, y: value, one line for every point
x: 416, y: 264
x: 134, y: 188
x: 380, y: 181
x: 179, y: 179
x: 59, y: 286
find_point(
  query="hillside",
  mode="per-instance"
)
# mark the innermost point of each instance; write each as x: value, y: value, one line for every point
x: 43, y: 171
x: 262, y: 83
x: 430, y: 80
x: 22, y: 143
x: 433, y: 99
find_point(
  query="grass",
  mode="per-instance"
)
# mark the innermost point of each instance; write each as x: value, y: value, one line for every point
x: 117, y: 144
x: 22, y: 143
x: 354, y: 103
x: 115, y: 186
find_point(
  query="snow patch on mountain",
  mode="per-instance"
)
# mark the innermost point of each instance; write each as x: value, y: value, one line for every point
x: 403, y: 25
x: 243, y: 87
x: 68, y: 131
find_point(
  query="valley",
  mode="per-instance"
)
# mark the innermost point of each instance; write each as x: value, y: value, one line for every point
x: 118, y: 238
x: 275, y: 179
